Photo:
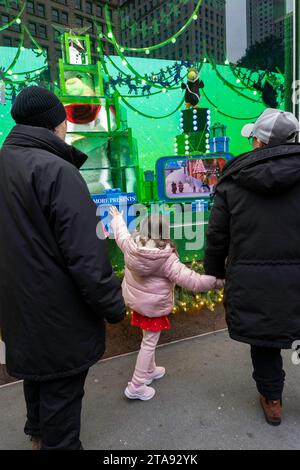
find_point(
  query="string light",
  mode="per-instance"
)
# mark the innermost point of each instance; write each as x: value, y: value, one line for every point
x: 161, y: 44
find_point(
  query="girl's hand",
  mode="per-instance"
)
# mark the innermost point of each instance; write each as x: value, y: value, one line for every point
x: 220, y: 284
x: 114, y: 212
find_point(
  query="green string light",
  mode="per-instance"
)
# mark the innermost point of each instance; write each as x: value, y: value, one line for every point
x: 233, y: 87
x: 250, y: 119
x: 16, y: 58
x: 192, y: 18
x: 147, y: 115
x: 17, y: 19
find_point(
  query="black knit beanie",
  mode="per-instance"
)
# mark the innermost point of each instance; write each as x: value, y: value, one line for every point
x: 38, y: 107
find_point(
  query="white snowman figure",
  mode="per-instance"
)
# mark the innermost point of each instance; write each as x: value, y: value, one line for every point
x: 77, y: 53
x: 75, y: 56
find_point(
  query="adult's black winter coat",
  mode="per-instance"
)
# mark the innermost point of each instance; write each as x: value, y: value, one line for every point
x: 57, y: 287
x: 254, y: 240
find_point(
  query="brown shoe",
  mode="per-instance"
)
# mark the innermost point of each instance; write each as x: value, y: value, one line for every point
x: 272, y: 410
x: 36, y: 442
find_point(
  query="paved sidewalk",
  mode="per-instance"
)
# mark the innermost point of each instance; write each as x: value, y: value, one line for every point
x: 206, y: 401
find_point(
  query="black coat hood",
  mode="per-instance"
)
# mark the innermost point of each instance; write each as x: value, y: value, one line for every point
x: 271, y: 170
x: 41, y: 138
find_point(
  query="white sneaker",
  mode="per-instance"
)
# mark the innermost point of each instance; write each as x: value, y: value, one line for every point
x: 143, y: 393
x: 158, y: 373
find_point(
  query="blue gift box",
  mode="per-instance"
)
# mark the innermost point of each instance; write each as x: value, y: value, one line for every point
x: 200, y: 205
x: 219, y: 144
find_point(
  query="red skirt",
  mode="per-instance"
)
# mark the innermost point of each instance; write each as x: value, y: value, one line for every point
x: 150, y: 324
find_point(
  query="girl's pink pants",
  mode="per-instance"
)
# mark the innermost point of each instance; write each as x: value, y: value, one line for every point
x: 145, y: 363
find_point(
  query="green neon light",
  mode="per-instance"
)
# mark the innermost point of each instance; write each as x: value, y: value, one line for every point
x: 147, y: 115
x: 135, y: 73
x: 35, y: 42
x: 18, y: 51
x: 230, y: 85
x: 250, y: 119
x: 8, y: 25
x: 159, y: 45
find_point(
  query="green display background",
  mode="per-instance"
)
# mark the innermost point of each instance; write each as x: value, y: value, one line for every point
x: 155, y: 137
x: 27, y: 62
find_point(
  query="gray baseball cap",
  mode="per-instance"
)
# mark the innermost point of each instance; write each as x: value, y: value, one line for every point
x: 273, y: 127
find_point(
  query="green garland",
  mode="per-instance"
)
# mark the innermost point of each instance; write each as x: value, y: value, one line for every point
x: 161, y: 44
x: 121, y: 55
x: 37, y: 45
x: 250, y: 119
x: 231, y: 85
x: 137, y: 74
x: 147, y: 115
x: 11, y: 66
x: 8, y: 25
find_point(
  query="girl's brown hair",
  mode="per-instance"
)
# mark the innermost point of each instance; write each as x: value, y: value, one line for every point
x: 156, y: 227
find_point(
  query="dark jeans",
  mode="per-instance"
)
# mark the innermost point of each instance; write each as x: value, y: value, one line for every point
x: 268, y: 372
x: 54, y: 411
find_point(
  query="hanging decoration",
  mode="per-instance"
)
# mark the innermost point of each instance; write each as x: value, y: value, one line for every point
x: 238, y: 118
x: 166, y: 79
x: 270, y: 85
x: 232, y: 86
x: 125, y: 100
x: 192, y: 88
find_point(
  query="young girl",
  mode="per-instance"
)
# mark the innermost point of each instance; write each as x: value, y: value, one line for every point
x: 152, y: 269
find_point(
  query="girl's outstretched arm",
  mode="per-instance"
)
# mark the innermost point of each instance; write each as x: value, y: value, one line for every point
x: 181, y: 275
x: 121, y: 233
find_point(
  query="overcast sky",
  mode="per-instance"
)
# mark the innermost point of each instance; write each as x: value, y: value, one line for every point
x: 237, y: 28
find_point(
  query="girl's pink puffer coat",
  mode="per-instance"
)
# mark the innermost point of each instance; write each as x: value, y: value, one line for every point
x: 151, y: 275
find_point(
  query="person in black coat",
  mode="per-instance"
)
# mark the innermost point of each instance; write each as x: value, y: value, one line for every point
x: 253, y: 241
x: 57, y: 286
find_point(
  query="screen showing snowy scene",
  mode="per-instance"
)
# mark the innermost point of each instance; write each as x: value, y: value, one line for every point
x: 188, y: 179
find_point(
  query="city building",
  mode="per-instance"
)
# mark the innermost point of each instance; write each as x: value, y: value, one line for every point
x: 147, y: 22
x: 265, y: 18
x: 41, y: 16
